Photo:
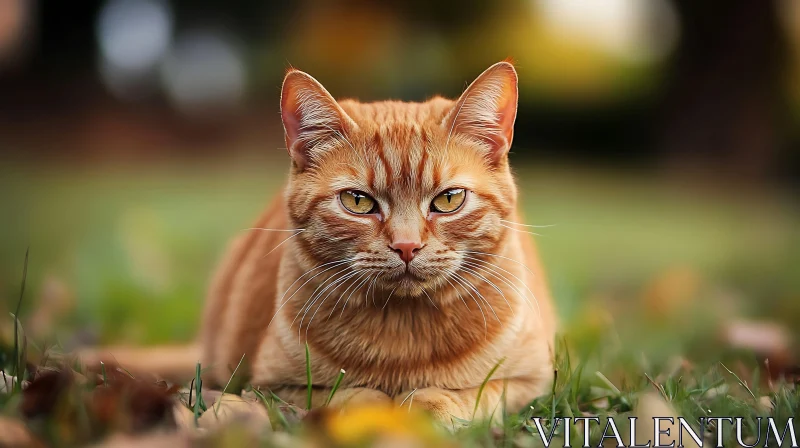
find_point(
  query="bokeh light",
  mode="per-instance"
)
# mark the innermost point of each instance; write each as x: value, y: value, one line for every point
x: 204, y: 71
x: 15, y: 18
x: 133, y: 36
x: 632, y: 30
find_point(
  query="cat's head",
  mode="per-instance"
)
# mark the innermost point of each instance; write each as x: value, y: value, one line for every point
x: 399, y: 195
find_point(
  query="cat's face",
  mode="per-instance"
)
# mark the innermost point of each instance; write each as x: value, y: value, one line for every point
x: 398, y: 196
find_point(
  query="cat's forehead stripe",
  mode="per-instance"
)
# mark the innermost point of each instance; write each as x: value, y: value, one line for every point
x: 379, y: 149
x: 423, y: 157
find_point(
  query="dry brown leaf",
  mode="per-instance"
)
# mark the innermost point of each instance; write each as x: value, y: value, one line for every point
x: 233, y: 408
x: 764, y: 405
x: 768, y: 340
x: 184, y: 417
x: 132, y: 405
x: 765, y: 338
x: 41, y: 395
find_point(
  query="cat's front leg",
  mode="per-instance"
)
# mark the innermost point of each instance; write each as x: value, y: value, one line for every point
x: 461, y: 403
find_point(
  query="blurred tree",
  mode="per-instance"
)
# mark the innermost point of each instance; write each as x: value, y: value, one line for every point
x: 723, y: 98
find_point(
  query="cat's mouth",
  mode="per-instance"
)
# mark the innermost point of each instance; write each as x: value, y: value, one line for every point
x: 408, y: 281
x: 406, y: 274
x: 410, y: 276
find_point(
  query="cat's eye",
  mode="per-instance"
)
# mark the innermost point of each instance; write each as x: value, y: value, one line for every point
x: 449, y: 200
x: 357, y: 202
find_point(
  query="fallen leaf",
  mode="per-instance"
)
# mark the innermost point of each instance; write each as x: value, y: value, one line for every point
x: 42, y: 394
x: 184, y: 417
x: 764, y: 405
x: 767, y: 339
x: 132, y: 405
x: 233, y: 408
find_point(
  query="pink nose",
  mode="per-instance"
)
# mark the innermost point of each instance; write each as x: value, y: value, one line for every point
x: 406, y: 249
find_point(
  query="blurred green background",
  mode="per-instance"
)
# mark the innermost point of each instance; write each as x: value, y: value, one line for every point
x: 661, y: 138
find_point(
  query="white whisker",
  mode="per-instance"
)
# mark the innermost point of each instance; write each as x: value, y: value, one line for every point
x: 429, y: 298
x: 338, y: 283
x: 492, y: 267
x: 389, y: 298
x: 485, y: 324
x: 274, y: 230
x: 490, y: 283
x: 458, y: 293
x: 351, y: 295
x: 480, y: 295
x: 527, y: 225
x: 362, y: 272
x: 410, y: 394
x: 283, y: 303
x: 372, y: 286
x: 282, y: 243
x: 334, y: 280
x: 520, y: 230
x: 515, y: 288
x: 498, y: 256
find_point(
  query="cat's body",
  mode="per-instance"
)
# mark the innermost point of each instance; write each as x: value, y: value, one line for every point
x: 404, y: 296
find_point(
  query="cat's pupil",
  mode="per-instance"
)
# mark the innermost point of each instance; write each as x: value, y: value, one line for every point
x: 448, y: 195
x: 357, y: 199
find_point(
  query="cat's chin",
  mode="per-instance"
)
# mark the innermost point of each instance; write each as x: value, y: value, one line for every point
x: 410, y: 285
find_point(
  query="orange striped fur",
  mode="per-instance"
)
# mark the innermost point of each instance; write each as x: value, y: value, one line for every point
x: 472, y: 296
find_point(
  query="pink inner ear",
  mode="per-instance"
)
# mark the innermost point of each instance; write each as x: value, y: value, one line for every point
x: 487, y: 110
x: 291, y: 123
x: 507, y: 111
x: 291, y: 115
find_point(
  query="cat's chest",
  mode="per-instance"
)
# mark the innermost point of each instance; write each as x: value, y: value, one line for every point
x: 406, y: 347
x: 393, y: 345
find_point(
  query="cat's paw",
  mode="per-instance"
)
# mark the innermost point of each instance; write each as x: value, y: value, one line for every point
x: 442, y: 404
x: 359, y: 396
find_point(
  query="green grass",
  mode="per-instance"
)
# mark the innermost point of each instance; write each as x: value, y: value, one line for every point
x: 590, y: 383
x: 644, y: 272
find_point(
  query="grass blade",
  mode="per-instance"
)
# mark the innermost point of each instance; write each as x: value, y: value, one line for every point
x: 224, y: 389
x: 609, y: 385
x: 553, y: 402
x: 483, y: 385
x: 741, y: 383
x: 335, y: 387
x: 19, y: 364
x: 276, y: 417
x: 199, y: 404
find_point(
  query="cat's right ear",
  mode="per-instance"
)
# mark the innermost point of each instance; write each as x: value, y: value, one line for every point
x: 312, y: 120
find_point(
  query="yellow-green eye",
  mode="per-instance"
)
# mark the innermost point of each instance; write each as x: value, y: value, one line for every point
x: 357, y: 202
x: 449, y: 201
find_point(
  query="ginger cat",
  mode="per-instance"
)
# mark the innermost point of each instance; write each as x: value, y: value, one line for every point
x: 392, y: 252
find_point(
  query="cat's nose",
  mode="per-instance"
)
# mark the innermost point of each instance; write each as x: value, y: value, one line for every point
x: 406, y: 249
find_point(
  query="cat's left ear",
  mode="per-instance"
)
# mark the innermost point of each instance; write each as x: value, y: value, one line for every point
x: 487, y: 109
